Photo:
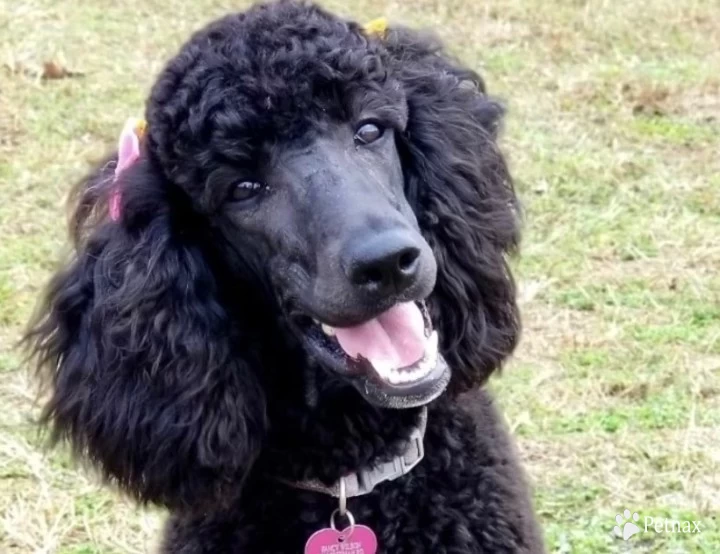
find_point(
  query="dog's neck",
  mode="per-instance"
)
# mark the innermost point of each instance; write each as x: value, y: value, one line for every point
x: 340, y: 435
x: 364, y: 480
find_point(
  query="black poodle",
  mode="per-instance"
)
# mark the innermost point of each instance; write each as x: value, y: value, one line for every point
x: 298, y: 283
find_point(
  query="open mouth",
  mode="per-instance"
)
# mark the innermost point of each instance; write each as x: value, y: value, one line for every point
x: 392, y: 359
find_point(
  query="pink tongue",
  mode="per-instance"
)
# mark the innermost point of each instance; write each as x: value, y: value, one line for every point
x: 395, y: 338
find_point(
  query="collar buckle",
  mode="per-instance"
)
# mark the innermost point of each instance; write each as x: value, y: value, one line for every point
x: 366, y: 479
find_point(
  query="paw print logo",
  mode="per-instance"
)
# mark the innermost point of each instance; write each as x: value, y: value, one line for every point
x: 629, y: 529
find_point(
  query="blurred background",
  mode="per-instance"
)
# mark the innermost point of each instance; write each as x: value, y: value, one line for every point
x: 613, y: 134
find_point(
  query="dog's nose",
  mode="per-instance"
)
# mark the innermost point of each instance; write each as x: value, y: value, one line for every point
x: 386, y: 263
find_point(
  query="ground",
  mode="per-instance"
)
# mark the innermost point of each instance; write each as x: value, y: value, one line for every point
x: 614, y: 136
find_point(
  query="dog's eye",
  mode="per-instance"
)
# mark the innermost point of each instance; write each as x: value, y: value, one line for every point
x: 368, y: 132
x: 245, y: 190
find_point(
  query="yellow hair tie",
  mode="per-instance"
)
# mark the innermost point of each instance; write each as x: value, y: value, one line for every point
x: 377, y: 27
x: 141, y: 128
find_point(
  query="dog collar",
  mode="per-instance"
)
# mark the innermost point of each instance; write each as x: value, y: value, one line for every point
x: 363, y: 481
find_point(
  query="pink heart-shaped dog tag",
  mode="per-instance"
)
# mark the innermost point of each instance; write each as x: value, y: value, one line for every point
x: 358, y: 539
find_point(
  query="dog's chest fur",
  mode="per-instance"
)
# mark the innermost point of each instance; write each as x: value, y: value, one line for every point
x: 467, y: 496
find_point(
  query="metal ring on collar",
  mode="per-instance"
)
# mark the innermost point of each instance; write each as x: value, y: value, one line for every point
x: 351, y: 519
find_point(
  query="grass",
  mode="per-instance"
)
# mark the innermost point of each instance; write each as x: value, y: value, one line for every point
x: 614, y: 137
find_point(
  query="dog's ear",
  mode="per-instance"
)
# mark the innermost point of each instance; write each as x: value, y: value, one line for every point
x: 462, y: 193
x: 148, y: 377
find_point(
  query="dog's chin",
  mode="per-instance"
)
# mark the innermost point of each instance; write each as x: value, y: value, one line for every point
x: 378, y: 392
x: 396, y: 382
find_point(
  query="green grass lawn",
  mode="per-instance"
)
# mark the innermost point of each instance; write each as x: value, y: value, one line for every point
x: 614, y: 137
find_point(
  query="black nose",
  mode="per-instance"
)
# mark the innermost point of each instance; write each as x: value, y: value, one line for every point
x: 387, y: 262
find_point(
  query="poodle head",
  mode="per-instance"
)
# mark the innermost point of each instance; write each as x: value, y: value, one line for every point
x: 307, y: 195
x: 308, y: 145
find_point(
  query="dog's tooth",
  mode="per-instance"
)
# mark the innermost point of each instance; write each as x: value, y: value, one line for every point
x: 431, y: 350
x: 329, y: 331
x: 432, y: 342
x: 383, y: 368
x: 396, y: 376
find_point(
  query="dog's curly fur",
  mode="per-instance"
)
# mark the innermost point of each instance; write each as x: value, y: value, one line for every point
x: 169, y: 361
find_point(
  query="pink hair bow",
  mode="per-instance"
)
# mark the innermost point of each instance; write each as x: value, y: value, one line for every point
x: 128, y: 153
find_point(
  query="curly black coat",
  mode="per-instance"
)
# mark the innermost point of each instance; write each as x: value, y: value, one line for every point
x: 164, y: 341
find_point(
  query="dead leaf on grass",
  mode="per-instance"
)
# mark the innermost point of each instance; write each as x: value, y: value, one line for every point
x: 55, y: 70
x: 49, y: 70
